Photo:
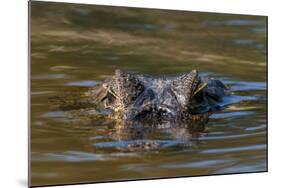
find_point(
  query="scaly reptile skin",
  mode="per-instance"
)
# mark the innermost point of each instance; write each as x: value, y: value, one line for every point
x: 140, y: 98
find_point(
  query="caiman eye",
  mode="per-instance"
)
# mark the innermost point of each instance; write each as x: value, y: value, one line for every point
x: 198, y: 93
x: 109, y: 100
x: 198, y: 97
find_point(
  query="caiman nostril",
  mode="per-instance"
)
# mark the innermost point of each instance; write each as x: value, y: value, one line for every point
x: 162, y: 111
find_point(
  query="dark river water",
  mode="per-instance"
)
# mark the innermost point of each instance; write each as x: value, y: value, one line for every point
x: 74, y: 47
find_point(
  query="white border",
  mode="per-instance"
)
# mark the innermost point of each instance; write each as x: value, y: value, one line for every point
x: 14, y: 81
x: 232, y: 6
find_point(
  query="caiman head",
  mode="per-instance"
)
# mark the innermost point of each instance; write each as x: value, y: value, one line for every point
x: 135, y: 97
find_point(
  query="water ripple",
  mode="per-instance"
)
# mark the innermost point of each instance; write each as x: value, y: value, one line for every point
x: 245, y: 86
x: 85, y: 83
x: 236, y: 149
x: 200, y: 164
x: 78, y: 156
x: 231, y: 136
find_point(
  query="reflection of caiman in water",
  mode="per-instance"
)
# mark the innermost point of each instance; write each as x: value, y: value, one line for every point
x: 138, y: 104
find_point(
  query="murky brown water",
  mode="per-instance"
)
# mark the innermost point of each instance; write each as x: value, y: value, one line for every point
x: 73, y: 47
